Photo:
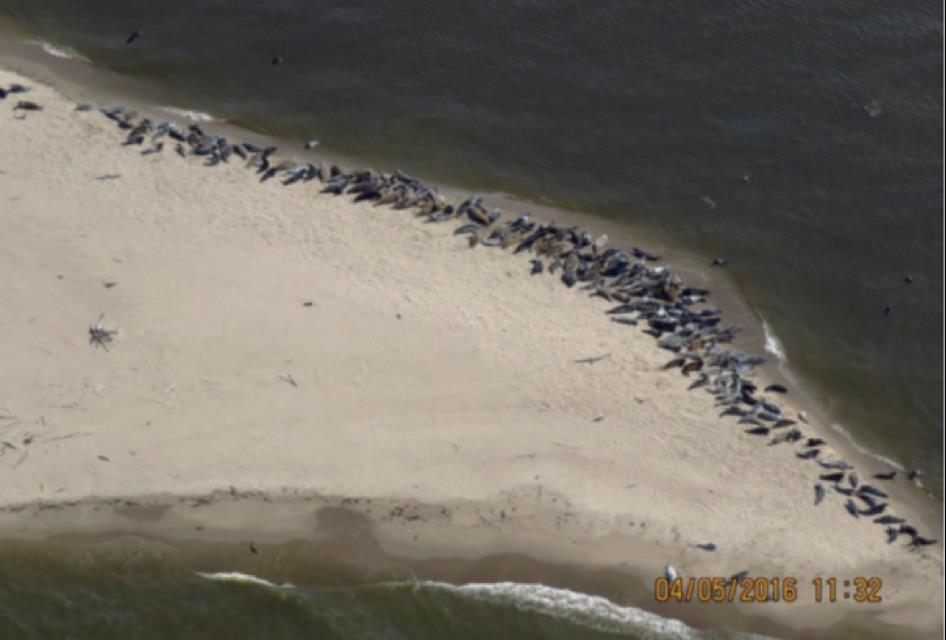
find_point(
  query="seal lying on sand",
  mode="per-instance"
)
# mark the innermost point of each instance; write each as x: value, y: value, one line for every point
x: 27, y: 105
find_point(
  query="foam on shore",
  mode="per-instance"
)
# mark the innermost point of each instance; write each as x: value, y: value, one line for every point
x: 190, y: 114
x: 578, y: 608
x: 61, y: 51
x: 773, y: 345
x: 242, y: 578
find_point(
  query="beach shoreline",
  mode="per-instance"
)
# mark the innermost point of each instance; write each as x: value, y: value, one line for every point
x: 77, y: 79
x: 434, y: 374
x: 346, y: 540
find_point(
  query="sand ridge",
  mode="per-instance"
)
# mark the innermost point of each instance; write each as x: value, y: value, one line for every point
x: 422, y: 369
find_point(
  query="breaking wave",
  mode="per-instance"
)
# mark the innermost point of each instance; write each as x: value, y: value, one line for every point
x: 189, y: 114
x: 242, y: 578
x: 594, y: 613
x: 579, y: 608
x: 773, y: 345
x: 66, y: 53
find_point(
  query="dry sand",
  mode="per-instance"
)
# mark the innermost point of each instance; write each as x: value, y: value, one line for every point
x: 422, y: 372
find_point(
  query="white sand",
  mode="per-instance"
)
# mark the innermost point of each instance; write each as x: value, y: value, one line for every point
x: 425, y: 370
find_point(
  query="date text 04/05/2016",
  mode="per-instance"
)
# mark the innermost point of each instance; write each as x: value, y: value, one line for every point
x: 760, y: 589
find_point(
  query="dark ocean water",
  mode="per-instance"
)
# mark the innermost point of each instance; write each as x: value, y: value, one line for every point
x: 47, y: 596
x: 800, y: 140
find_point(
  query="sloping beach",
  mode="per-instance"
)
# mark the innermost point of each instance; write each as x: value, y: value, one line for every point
x: 280, y: 347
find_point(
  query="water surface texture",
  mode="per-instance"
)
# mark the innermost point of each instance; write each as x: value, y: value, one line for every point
x: 51, y: 595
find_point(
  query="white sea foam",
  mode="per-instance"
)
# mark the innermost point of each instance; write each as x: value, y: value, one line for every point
x: 243, y: 578
x: 773, y: 345
x: 61, y: 51
x: 579, y: 608
x: 189, y: 114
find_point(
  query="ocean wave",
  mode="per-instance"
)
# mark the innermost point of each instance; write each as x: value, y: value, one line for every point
x: 190, y: 114
x: 242, y: 578
x: 773, y: 345
x: 591, y: 612
x: 61, y: 52
x: 579, y: 608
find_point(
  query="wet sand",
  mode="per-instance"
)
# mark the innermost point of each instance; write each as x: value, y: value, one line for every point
x: 422, y: 372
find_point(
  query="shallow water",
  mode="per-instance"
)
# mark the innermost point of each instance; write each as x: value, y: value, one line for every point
x: 45, y: 595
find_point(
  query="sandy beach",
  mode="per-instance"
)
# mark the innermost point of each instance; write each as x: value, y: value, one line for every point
x: 282, y: 352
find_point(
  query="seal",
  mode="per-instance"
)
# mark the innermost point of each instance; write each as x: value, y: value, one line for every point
x: 871, y: 490
x: 27, y: 105
x: 736, y: 577
x: 835, y: 464
x: 670, y: 573
x: 920, y: 541
x: 875, y: 510
x: 819, y: 493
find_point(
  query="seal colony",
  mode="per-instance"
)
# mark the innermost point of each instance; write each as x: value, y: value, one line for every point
x: 645, y: 294
x: 426, y: 372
